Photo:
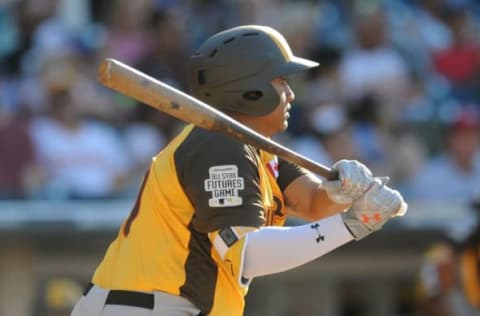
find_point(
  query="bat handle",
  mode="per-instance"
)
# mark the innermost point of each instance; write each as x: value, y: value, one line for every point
x: 315, y: 167
x: 330, y: 174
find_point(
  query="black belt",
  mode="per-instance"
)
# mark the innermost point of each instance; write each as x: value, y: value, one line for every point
x: 127, y: 298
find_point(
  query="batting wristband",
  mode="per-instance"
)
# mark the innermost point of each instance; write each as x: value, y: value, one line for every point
x: 271, y: 250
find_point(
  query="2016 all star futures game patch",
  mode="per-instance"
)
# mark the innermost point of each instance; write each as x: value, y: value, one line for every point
x: 224, y: 184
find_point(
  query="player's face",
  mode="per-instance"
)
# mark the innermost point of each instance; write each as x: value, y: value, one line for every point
x: 277, y: 121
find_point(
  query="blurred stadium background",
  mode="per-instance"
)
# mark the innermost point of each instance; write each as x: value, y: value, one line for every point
x: 398, y: 88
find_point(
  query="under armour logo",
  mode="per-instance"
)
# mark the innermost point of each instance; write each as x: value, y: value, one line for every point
x: 376, y: 218
x: 320, y: 237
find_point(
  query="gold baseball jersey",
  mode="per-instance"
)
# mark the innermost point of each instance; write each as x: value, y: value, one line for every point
x: 196, y: 188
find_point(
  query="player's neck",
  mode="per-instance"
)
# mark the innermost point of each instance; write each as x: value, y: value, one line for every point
x: 254, y: 122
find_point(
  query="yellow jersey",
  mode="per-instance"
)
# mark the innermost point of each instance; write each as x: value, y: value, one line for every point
x: 201, y: 183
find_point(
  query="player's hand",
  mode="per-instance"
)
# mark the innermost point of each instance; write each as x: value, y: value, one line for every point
x: 354, y: 180
x: 372, y: 210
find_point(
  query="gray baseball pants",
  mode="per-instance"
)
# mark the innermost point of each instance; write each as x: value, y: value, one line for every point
x: 102, y: 302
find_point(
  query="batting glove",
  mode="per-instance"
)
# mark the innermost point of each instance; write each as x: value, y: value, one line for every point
x: 371, y: 211
x: 354, y: 180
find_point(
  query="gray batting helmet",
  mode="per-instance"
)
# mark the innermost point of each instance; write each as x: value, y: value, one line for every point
x: 232, y: 70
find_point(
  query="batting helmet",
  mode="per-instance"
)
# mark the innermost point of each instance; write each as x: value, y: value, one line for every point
x: 232, y: 70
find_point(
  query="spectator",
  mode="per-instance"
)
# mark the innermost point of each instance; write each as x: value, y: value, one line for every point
x: 324, y: 83
x: 144, y: 138
x: 390, y: 150
x: 430, y: 25
x: 320, y: 86
x: 459, y: 63
x: 18, y: 167
x: 81, y: 158
x: 209, y: 16
x: 329, y: 136
x: 452, y: 175
x: 26, y: 16
x: 369, y: 134
x: 372, y: 66
x: 126, y: 37
x: 168, y: 47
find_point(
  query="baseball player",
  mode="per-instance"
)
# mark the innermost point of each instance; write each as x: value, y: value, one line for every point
x: 208, y: 215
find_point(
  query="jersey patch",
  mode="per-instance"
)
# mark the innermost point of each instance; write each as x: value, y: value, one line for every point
x: 228, y: 236
x: 224, y: 184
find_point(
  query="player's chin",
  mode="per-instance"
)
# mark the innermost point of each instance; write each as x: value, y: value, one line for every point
x: 285, y: 120
x: 280, y: 126
x: 277, y: 129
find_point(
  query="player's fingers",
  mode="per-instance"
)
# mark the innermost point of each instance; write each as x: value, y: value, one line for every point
x: 402, y: 210
x: 332, y: 186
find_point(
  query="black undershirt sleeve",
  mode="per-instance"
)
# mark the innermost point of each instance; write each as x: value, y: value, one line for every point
x: 288, y: 172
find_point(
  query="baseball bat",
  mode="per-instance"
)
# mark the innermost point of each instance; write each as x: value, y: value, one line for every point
x: 163, y: 97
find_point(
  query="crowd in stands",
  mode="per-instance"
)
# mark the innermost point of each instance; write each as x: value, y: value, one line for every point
x: 397, y: 88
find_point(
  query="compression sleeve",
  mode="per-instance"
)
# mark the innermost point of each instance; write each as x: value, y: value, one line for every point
x: 229, y: 244
x: 271, y: 250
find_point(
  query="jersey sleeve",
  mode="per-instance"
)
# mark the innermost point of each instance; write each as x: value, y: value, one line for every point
x: 288, y: 172
x: 220, y: 177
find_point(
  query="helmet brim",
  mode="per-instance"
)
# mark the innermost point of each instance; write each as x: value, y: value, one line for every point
x: 297, y: 64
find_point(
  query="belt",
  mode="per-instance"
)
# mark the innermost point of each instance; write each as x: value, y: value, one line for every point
x: 128, y: 298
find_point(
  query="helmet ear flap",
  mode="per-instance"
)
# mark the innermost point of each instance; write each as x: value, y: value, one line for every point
x: 252, y: 95
x: 260, y: 100
x: 257, y: 100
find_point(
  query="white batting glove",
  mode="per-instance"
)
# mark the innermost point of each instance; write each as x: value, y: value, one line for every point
x: 371, y: 211
x: 354, y: 180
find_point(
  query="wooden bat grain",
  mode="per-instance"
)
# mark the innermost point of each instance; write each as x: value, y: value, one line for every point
x: 163, y: 97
